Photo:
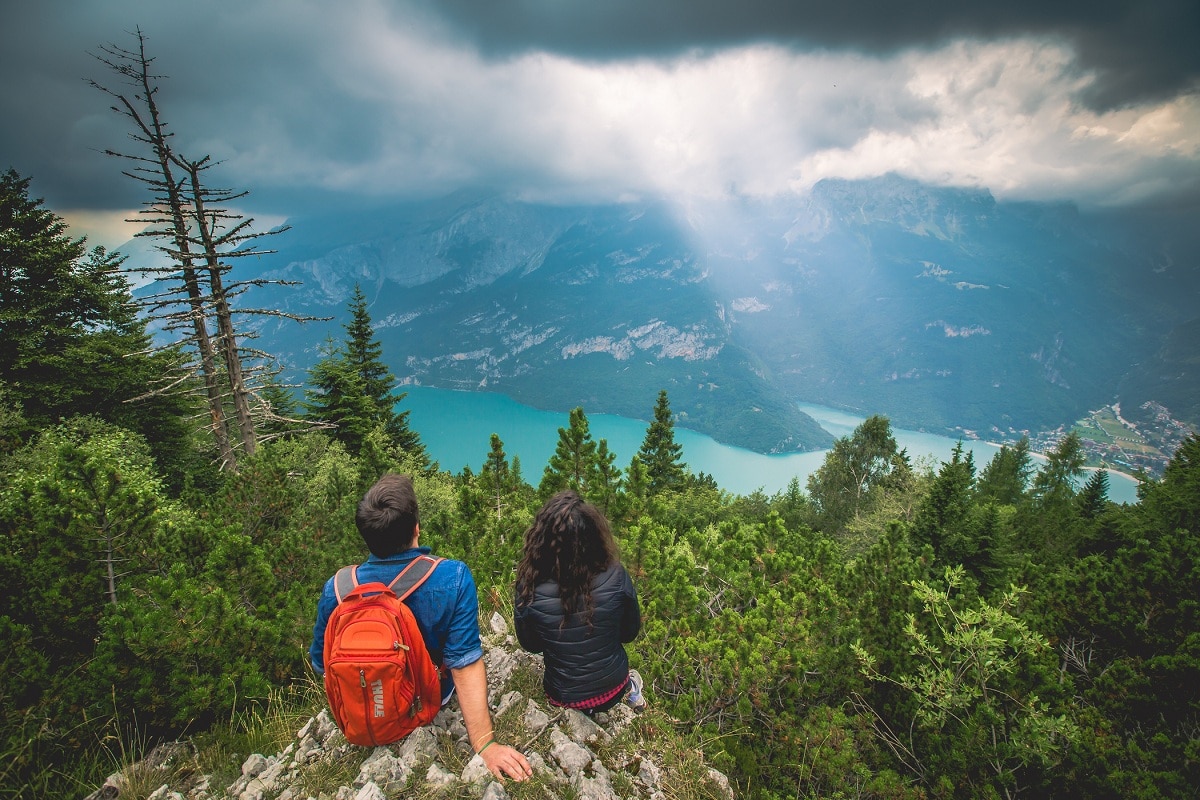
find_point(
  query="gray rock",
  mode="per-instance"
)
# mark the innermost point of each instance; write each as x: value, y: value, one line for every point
x: 495, y: 791
x: 437, y: 775
x: 594, y: 787
x: 721, y: 781
x: 199, y: 790
x: 617, y: 718
x: 561, y: 746
x: 275, y: 771
x: 308, y: 749
x: 500, y: 666
x: 570, y: 755
x: 307, y: 728
x: 498, y: 624
x: 539, y: 765
x: 508, y: 701
x: 535, y: 720
x: 417, y: 746
x: 335, y: 741
x: 370, y: 792
x: 253, y: 765
x: 326, y: 728
x: 449, y: 719
x: 111, y: 788
x: 649, y: 774
x: 255, y: 789
x: 476, y: 772
x: 583, y: 729
x: 383, y: 769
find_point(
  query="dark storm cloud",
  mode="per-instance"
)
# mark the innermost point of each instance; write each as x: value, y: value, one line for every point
x: 1140, y: 49
x: 234, y: 76
x: 308, y: 102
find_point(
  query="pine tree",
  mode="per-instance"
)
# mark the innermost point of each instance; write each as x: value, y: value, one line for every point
x: 1006, y: 476
x: 494, y: 479
x: 1050, y: 524
x: 943, y: 519
x: 991, y: 558
x: 336, y: 397
x: 606, y: 484
x: 1054, y: 483
x: 660, y: 454
x: 364, y: 353
x: 280, y: 409
x: 70, y: 339
x: 573, y: 464
x: 1094, y: 496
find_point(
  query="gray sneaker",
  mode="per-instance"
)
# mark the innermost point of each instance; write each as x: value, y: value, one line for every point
x: 634, y: 699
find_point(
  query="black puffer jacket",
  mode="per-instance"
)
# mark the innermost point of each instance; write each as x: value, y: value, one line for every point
x: 582, y: 662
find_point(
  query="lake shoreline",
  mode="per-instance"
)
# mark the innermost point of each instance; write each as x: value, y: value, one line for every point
x: 456, y: 426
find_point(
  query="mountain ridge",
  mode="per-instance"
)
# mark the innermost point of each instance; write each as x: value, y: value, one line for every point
x: 945, y: 309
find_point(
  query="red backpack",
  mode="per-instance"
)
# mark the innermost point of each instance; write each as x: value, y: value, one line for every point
x: 379, y: 679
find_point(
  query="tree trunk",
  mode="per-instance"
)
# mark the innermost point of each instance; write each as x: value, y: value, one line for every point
x: 225, y: 330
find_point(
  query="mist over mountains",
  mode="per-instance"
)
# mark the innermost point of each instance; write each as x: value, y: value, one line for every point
x: 941, y: 308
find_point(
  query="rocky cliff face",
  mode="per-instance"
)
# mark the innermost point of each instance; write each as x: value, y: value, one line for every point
x: 617, y: 755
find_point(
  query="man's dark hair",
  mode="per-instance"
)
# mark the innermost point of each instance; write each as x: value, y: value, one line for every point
x: 387, y: 515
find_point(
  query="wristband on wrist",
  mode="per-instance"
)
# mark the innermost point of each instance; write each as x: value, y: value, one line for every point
x: 491, y: 739
x: 485, y: 747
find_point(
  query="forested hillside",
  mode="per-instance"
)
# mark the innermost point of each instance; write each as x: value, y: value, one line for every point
x: 886, y: 631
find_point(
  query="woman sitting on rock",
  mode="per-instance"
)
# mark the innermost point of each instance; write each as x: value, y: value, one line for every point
x: 576, y: 605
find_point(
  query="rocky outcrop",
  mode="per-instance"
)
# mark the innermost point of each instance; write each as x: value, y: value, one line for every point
x: 572, y: 754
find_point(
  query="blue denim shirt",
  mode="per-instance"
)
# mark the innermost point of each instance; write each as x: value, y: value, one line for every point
x: 446, y: 607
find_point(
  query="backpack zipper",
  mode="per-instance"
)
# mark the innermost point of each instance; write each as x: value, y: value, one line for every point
x: 367, y: 704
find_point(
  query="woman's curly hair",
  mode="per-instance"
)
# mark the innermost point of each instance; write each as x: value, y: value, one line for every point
x: 569, y: 542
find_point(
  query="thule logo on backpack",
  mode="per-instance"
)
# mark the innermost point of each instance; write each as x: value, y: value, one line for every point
x: 377, y: 694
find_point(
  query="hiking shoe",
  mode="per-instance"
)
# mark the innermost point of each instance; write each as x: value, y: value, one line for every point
x: 634, y: 699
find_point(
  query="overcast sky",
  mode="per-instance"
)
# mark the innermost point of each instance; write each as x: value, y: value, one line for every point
x: 310, y: 102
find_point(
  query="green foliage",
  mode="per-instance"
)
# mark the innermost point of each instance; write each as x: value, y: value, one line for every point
x: 1094, y: 496
x: 1128, y: 638
x: 1006, y: 477
x: 847, y: 484
x: 70, y: 341
x: 943, y: 519
x: 1054, y: 484
x: 573, y: 463
x: 975, y: 713
x: 863, y: 639
x: 350, y: 390
x: 364, y: 354
x: 337, y: 396
x: 1049, y: 526
x: 660, y: 454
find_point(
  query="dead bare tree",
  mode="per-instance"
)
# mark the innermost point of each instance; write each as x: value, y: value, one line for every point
x: 200, y: 234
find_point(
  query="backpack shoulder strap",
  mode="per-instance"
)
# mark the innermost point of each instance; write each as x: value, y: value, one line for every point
x: 416, y: 573
x: 345, y: 581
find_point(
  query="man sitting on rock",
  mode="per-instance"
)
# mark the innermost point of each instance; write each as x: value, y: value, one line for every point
x: 445, y: 606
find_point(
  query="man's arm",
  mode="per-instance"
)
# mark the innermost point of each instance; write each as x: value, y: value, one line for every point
x: 471, y: 683
x: 325, y: 606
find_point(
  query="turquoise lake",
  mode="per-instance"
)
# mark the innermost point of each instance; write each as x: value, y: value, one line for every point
x: 456, y: 428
